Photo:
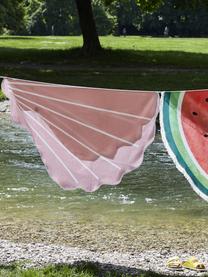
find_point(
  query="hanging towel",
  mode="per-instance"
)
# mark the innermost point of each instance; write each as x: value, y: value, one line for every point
x: 86, y: 137
x: 184, y: 128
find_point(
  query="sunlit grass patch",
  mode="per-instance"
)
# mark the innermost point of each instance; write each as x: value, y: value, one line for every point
x: 118, y: 51
x: 2, y: 96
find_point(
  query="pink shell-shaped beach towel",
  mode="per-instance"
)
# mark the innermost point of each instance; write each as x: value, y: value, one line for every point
x: 86, y: 136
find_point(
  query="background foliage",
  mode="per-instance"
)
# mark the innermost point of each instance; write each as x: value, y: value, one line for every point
x: 54, y: 17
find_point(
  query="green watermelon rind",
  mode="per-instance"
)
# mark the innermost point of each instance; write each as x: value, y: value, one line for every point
x: 175, y: 115
x: 184, y: 165
x: 203, y: 177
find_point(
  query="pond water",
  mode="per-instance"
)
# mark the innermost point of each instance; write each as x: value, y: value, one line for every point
x: 153, y: 206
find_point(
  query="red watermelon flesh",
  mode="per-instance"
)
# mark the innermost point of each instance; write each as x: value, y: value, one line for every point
x: 194, y: 117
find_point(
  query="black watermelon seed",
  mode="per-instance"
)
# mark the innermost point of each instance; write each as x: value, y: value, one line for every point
x: 206, y: 135
x: 194, y: 113
x: 206, y: 99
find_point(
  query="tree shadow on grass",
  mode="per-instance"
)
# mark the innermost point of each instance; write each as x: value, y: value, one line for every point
x: 82, y: 268
x: 16, y: 38
x: 107, y: 57
x: 138, y: 80
x: 104, y: 270
x: 122, y: 69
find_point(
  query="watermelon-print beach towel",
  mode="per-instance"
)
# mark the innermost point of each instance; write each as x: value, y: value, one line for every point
x: 184, y: 128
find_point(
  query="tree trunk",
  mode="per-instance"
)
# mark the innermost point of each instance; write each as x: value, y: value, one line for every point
x: 91, y: 43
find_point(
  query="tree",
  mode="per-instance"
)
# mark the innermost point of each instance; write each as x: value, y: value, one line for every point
x: 103, y: 18
x: 57, y: 16
x: 91, y: 43
x: 127, y: 14
x: 34, y: 19
x: 180, y: 20
x: 49, y: 17
x: 11, y: 16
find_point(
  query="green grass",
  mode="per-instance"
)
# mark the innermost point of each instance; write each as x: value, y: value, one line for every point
x: 126, y: 63
x: 2, y: 96
x: 119, y: 51
x: 146, y: 80
x: 189, y: 45
x: 81, y: 270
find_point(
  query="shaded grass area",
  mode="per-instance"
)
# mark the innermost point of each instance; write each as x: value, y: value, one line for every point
x: 143, y: 63
x: 82, y: 269
x: 143, y: 80
x: 107, y: 58
x: 158, y: 81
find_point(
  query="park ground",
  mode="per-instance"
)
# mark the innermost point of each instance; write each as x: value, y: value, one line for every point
x: 60, y: 271
x: 142, y: 63
x: 82, y: 270
x: 128, y: 63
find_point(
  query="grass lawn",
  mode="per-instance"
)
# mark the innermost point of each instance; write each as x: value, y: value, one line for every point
x: 2, y: 97
x: 132, y: 62
x: 119, y: 51
x: 114, y: 79
x: 83, y: 270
